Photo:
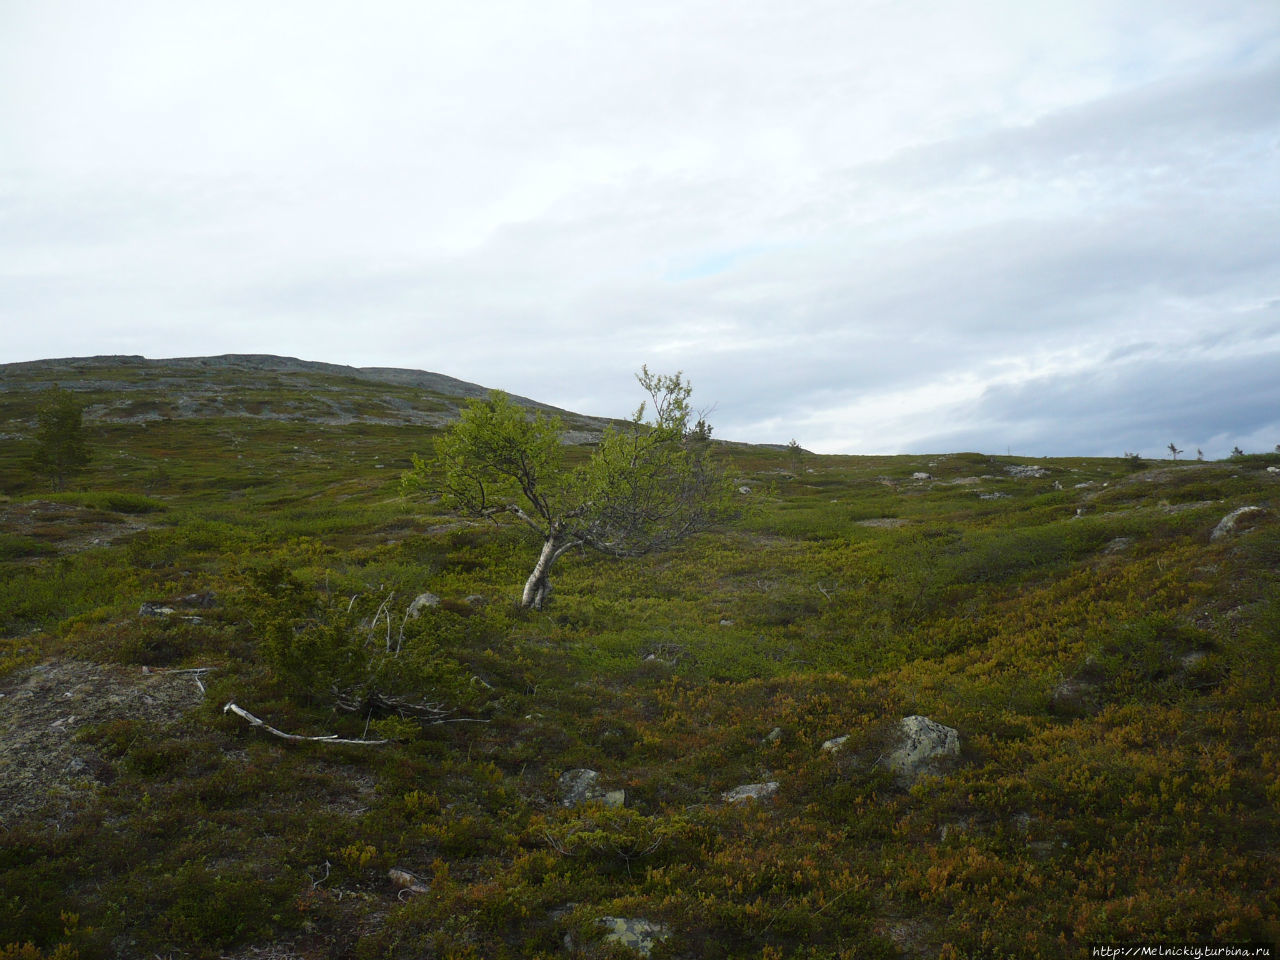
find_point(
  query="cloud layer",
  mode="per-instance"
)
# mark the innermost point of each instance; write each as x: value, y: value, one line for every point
x: 873, y: 227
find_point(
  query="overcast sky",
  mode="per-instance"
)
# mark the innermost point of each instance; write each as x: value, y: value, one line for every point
x: 874, y: 226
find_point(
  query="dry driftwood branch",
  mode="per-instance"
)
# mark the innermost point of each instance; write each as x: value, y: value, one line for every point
x: 331, y: 738
x: 407, y: 882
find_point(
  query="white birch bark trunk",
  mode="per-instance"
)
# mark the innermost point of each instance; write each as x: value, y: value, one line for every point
x: 538, y: 584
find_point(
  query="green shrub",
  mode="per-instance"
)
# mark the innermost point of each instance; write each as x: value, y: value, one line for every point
x: 13, y: 547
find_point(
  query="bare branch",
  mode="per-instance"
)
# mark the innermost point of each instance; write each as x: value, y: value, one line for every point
x: 331, y: 738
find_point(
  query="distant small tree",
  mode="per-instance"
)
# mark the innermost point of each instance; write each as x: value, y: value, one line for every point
x: 645, y: 487
x: 795, y: 454
x: 61, y: 449
x: 1236, y: 452
x: 1174, y: 450
x: 1199, y: 454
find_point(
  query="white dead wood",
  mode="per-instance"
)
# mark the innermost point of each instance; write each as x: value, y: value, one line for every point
x: 331, y: 738
x: 407, y: 882
x: 196, y: 674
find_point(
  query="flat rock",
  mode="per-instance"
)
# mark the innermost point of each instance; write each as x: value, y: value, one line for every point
x: 638, y: 934
x: 581, y: 786
x: 1233, y: 521
x: 750, y: 791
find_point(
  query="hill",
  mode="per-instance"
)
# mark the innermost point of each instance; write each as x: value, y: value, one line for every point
x: 132, y: 389
x: 694, y: 754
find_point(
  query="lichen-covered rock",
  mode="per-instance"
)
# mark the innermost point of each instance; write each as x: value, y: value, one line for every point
x: 638, y: 934
x: 921, y: 746
x: 1234, y: 520
x: 421, y: 602
x: 583, y: 786
x: 834, y: 744
x: 750, y: 791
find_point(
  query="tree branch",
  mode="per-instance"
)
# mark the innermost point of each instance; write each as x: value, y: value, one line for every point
x: 331, y: 738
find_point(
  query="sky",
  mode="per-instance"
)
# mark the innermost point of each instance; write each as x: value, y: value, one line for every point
x: 873, y: 226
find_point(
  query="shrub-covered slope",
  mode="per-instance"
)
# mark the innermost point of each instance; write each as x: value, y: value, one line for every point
x: 1109, y: 663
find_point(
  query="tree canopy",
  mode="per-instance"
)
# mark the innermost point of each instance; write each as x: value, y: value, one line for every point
x: 61, y: 448
x: 646, y: 486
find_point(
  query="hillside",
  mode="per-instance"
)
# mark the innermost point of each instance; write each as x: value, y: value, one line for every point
x: 1103, y: 644
x: 138, y: 390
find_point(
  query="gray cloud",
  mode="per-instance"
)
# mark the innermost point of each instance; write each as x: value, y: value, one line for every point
x: 851, y: 225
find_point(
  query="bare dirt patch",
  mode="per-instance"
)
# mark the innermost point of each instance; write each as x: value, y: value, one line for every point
x: 42, y: 708
x: 66, y: 527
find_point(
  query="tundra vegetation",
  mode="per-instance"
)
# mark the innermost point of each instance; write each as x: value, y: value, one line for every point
x: 1110, y: 665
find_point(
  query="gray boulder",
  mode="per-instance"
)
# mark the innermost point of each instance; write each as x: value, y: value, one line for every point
x: 1234, y: 520
x: 421, y: 602
x: 921, y: 747
x: 640, y: 935
x: 583, y: 786
x: 750, y: 791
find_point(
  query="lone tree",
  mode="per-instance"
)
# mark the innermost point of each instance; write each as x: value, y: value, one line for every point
x: 61, y: 449
x: 645, y: 487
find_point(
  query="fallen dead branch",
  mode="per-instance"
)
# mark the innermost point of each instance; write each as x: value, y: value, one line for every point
x: 407, y: 882
x: 331, y: 738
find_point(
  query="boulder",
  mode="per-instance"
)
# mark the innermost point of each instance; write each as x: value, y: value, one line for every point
x: 421, y: 602
x: 921, y: 475
x: 834, y: 744
x: 1026, y: 471
x: 638, y: 934
x: 1233, y: 520
x: 155, y: 608
x: 750, y: 791
x: 921, y: 747
x: 583, y: 786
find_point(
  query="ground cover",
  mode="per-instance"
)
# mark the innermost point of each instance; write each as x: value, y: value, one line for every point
x: 1110, y: 666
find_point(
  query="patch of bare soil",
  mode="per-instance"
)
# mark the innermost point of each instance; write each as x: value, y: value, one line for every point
x: 42, y: 708
x: 65, y: 526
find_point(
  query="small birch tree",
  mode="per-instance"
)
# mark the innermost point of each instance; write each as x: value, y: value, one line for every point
x: 647, y: 485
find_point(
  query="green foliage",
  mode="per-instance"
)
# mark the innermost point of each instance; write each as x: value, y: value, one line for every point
x: 645, y: 486
x: 61, y: 448
x: 12, y: 547
x: 1112, y: 676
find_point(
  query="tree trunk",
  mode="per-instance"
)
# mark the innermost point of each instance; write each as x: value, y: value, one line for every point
x: 538, y: 585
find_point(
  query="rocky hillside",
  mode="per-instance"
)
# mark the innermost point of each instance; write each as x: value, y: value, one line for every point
x: 255, y: 703
x: 129, y: 389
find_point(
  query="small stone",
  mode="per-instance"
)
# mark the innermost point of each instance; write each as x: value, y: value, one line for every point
x: 155, y: 608
x: 834, y: 744
x: 773, y: 736
x: 726, y: 622
x: 744, y: 490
